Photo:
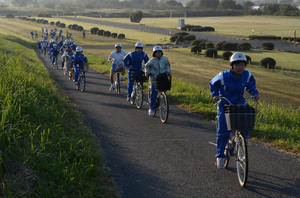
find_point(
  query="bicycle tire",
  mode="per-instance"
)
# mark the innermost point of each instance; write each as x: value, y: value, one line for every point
x: 163, y: 107
x: 228, y: 151
x: 118, y: 84
x: 82, y: 83
x: 139, y: 96
x: 242, y: 160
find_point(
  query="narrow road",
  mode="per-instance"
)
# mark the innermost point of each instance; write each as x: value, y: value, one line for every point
x: 172, y: 160
x: 279, y: 45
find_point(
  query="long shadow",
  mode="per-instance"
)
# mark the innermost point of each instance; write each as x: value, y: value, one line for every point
x: 19, y: 41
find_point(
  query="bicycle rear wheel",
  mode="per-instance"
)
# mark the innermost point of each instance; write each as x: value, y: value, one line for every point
x: 118, y: 84
x: 163, y: 107
x: 242, y: 160
x: 82, y: 82
x: 139, y: 96
x: 229, y: 150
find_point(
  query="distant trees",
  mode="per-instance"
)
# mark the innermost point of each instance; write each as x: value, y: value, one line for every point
x: 136, y: 16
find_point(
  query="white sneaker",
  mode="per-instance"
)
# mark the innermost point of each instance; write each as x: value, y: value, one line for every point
x: 220, y: 162
x: 122, y: 78
x: 111, y: 88
x: 76, y: 83
x: 128, y: 99
x: 150, y: 112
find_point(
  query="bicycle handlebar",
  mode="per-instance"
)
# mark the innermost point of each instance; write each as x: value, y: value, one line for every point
x: 250, y: 97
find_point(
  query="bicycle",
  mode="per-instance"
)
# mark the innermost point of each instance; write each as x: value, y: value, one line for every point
x: 137, y: 91
x: 161, y: 102
x: 82, y: 79
x: 55, y: 64
x: 238, y: 119
x: 117, y: 78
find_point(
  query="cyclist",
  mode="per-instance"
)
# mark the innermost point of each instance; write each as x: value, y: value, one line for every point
x: 78, y: 60
x: 35, y: 34
x: 133, y: 61
x: 68, y: 52
x: 39, y: 45
x: 231, y: 84
x: 117, y: 57
x: 31, y: 33
x: 157, y: 65
x: 54, y: 51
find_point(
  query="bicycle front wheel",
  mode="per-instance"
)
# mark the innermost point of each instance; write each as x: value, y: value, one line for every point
x: 139, y: 96
x: 118, y: 84
x: 82, y: 83
x: 163, y: 107
x: 242, y: 160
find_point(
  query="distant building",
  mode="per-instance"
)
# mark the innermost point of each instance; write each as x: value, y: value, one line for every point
x: 180, y: 23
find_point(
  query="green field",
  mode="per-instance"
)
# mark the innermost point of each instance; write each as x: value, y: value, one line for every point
x: 45, y: 150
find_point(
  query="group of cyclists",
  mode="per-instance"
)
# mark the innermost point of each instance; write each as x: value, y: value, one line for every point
x: 230, y: 84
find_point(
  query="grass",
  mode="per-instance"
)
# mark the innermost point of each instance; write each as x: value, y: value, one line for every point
x: 45, y: 150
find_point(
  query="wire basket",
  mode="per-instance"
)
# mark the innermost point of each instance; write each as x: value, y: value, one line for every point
x: 162, y: 82
x: 240, y: 117
x: 86, y: 67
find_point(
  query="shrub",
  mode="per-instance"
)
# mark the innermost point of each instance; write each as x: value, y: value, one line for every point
x: 136, y: 16
x: 189, y: 37
x: 268, y: 62
x: 70, y: 26
x: 44, y: 15
x: 211, y: 53
x: 94, y: 30
x: 79, y: 28
x: 245, y: 46
x: 187, y: 27
x: 45, y: 22
x: 181, y: 34
x: 33, y: 20
x: 229, y: 46
x: 203, y: 45
x: 196, y: 49
x: 209, y: 45
x: 62, y: 25
x: 207, y: 29
x: 220, y: 44
x: 248, y: 59
x: 114, y: 35
x: 107, y: 33
x: 57, y: 23
x: 52, y: 23
x: 196, y: 42
x: 74, y: 26
x: 264, y: 37
x: 10, y: 16
x: 173, y: 38
x: 121, y: 36
x: 267, y: 46
x: 100, y: 32
x: 196, y: 29
x: 226, y: 55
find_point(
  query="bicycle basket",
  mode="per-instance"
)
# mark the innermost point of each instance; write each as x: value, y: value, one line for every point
x: 119, y: 69
x: 86, y: 67
x: 240, y: 117
x: 162, y: 82
x: 139, y: 76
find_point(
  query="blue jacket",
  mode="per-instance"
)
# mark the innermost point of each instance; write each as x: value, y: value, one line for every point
x: 55, y: 51
x: 226, y: 85
x: 134, y: 60
x: 76, y: 59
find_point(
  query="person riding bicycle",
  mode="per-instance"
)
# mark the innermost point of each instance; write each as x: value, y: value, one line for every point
x: 68, y: 52
x: 78, y: 61
x: 117, y: 58
x: 230, y: 84
x: 157, y: 65
x: 39, y: 45
x: 133, y: 61
x: 54, y: 51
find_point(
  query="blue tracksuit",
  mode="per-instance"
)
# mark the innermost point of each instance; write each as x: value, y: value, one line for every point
x: 78, y: 64
x: 54, y: 51
x: 226, y: 85
x: 133, y: 61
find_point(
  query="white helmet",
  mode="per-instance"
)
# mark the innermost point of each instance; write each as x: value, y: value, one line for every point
x: 157, y: 48
x: 67, y: 41
x: 54, y: 45
x: 75, y: 43
x: 79, y: 49
x: 139, y: 44
x: 118, y: 45
x: 238, y: 56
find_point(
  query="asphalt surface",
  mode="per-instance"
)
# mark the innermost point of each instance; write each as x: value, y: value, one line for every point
x: 174, y: 160
x: 279, y: 45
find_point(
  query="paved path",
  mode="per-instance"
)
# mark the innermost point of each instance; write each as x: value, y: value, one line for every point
x: 280, y: 45
x: 172, y: 160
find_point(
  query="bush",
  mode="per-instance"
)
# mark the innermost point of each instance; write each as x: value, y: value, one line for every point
x: 136, y: 16
x: 114, y: 35
x: 94, y: 30
x: 229, y: 46
x: 100, y: 32
x: 57, y: 23
x: 52, y: 23
x: 189, y: 37
x: 209, y: 45
x: 10, y: 16
x: 207, y: 29
x: 45, y: 22
x: 268, y: 62
x: 245, y: 46
x: 188, y: 27
x: 196, y: 49
x: 267, y: 46
x: 220, y: 44
x: 33, y: 20
x: 173, y: 38
x: 107, y: 33
x: 70, y: 26
x: 264, y: 37
x: 203, y: 45
x: 248, y: 59
x: 226, y: 55
x: 181, y: 34
x: 196, y: 42
x: 79, y: 28
x: 62, y: 25
x: 196, y: 29
x: 74, y: 26
x: 44, y: 15
x: 121, y: 36
x: 211, y: 53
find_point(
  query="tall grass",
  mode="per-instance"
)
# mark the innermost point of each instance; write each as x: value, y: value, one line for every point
x: 45, y: 151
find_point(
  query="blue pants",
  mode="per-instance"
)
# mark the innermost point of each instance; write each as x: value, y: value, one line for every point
x: 53, y: 59
x: 153, y: 94
x: 62, y: 63
x: 76, y: 71
x: 130, y: 83
x: 222, y: 133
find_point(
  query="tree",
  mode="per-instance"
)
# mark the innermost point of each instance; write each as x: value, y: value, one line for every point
x: 227, y: 4
x: 209, y: 3
x: 136, y: 16
x: 270, y: 8
x: 21, y: 3
x: 173, y: 4
x: 247, y: 5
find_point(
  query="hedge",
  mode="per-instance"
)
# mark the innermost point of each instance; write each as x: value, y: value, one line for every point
x: 114, y: 35
x: 226, y: 55
x: 229, y: 46
x: 79, y: 28
x: 220, y: 44
x: 189, y: 37
x: 196, y: 49
x: 196, y: 42
x: 10, y: 16
x: 94, y: 30
x: 211, y: 53
x: 268, y: 62
x: 245, y: 46
x: 209, y: 45
x: 121, y: 36
x: 268, y: 37
x: 267, y: 46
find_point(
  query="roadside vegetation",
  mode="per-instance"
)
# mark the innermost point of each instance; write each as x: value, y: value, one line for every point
x: 45, y: 150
